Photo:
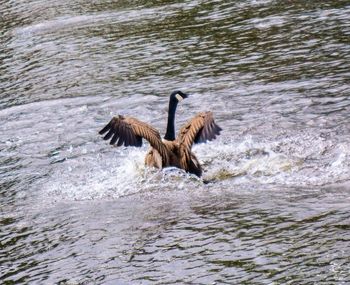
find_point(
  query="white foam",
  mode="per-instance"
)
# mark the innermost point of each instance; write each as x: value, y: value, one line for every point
x: 119, y: 172
x: 79, y: 21
x: 97, y: 176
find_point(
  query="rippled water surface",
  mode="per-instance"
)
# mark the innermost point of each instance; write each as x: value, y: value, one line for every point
x: 76, y: 211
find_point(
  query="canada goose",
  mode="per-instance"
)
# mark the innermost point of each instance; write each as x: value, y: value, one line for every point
x: 169, y: 151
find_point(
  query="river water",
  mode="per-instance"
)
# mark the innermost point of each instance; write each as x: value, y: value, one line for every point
x: 75, y: 210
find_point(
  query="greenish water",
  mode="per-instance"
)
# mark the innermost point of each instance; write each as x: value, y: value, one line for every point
x: 76, y: 211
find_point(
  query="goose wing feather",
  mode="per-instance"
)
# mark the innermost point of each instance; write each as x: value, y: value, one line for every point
x: 200, y: 128
x: 130, y: 131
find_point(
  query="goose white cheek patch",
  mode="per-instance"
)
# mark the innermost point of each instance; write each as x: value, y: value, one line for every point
x: 178, y: 97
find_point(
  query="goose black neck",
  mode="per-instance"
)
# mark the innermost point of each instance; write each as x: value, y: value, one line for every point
x: 170, y: 129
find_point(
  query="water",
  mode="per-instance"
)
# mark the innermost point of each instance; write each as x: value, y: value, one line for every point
x: 76, y: 211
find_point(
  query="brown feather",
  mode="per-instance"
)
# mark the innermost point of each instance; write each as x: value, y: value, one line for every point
x: 200, y: 128
x: 129, y: 131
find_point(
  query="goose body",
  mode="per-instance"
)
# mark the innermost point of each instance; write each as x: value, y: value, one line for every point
x: 171, y: 150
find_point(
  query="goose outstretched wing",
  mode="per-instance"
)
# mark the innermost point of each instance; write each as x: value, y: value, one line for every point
x: 130, y: 131
x: 200, y: 128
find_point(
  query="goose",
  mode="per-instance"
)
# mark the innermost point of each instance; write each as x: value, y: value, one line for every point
x: 171, y: 150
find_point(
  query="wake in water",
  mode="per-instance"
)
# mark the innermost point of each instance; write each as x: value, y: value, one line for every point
x: 79, y: 166
x: 293, y: 161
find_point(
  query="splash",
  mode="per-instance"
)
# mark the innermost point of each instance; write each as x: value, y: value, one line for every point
x: 293, y: 161
x: 111, y: 175
x: 288, y: 162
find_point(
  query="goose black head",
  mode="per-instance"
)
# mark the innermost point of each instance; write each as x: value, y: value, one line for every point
x: 178, y: 96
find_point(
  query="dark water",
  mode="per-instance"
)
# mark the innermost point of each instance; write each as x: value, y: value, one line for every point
x: 76, y: 211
